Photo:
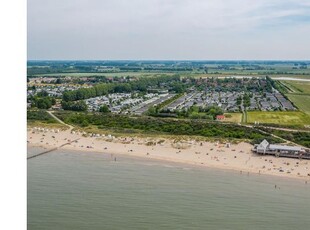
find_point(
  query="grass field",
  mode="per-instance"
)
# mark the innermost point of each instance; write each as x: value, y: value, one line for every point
x: 301, y: 101
x: 299, y: 94
x: 298, y: 86
x: 233, y: 117
x: 277, y: 117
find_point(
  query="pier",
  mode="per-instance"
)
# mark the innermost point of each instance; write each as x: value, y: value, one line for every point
x: 53, y: 149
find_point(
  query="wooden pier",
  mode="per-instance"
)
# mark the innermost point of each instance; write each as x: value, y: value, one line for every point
x: 51, y: 150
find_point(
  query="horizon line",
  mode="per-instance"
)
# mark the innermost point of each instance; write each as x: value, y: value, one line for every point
x: 280, y: 60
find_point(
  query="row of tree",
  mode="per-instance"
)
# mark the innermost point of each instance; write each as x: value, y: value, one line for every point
x: 74, y: 105
x: 103, y: 89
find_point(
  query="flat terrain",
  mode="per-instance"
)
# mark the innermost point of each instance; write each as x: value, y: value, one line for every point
x: 117, y: 74
x: 298, y: 86
x: 299, y: 94
x: 233, y: 117
x: 301, y: 101
x: 42, y: 124
x: 279, y: 117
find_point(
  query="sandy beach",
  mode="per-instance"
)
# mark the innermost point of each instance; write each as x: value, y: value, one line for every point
x: 207, y: 154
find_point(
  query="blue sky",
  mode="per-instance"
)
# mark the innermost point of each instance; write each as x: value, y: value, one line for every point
x: 169, y: 29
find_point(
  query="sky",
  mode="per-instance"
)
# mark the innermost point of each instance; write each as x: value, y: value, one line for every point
x: 168, y: 29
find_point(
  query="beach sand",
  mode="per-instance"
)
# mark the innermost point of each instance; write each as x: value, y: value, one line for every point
x: 207, y: 154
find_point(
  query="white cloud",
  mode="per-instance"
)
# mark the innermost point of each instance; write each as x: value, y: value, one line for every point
x: 181, y: 29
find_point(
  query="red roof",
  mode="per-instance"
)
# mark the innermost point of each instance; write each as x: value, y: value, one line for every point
x: 220, y: 117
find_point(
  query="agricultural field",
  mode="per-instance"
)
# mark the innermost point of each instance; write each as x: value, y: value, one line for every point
x: 301, y: 101
x: 291, y: 118
x: 298, y: 92
x: 233, y: 117
x: 116, y: 74
x: 298, y: 86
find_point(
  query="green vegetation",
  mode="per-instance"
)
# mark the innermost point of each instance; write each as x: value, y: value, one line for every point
x: 104, y: 109
x: 301, y: 101
x: 88, y: 68
x: 299, y: 86
x: 40, y: 115
x: 40, y: 118
x: 244, y: 117
x: 167, y: 102
x: 246, y: 100
x: 194, y: 112
x: 74, y: 105
x: 299, y: 94
x: 42, y: 100
x: 103, y: 89
x: 209, y: 112
x: 288, y: 118
x: 160, y: 126
x: 277, y: 85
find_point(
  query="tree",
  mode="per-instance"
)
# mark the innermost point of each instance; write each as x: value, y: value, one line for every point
x: 44, y: 103
x: 74, y: 106
x: 58, y: 81
x: 42, y: 94
x: 104, y: 109
x: 152, y: 111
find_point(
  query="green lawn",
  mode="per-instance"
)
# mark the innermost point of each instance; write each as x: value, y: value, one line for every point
x: 277, y: 117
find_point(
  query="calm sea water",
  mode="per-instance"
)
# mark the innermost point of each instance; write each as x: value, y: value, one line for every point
x: 74, y: 190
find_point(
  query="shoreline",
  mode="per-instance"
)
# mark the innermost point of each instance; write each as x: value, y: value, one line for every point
x: 179, y: 163
x: 237, y: 157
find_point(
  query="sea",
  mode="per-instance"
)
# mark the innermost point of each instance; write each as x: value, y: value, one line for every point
x: 82, y: 190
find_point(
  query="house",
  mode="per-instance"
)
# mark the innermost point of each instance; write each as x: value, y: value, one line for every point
x: 281, y: 150
x: 220, y: 117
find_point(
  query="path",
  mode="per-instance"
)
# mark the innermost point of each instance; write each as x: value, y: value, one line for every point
x: 60, y: 121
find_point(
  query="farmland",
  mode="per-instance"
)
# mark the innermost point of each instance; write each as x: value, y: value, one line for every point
x: 298, y: 86
x: 290, y: 118
x: 301, y: 101
x: 299, y: 93
x: 112, y: 74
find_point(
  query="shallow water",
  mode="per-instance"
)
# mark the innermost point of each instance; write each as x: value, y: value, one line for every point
x: 75, y: 190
